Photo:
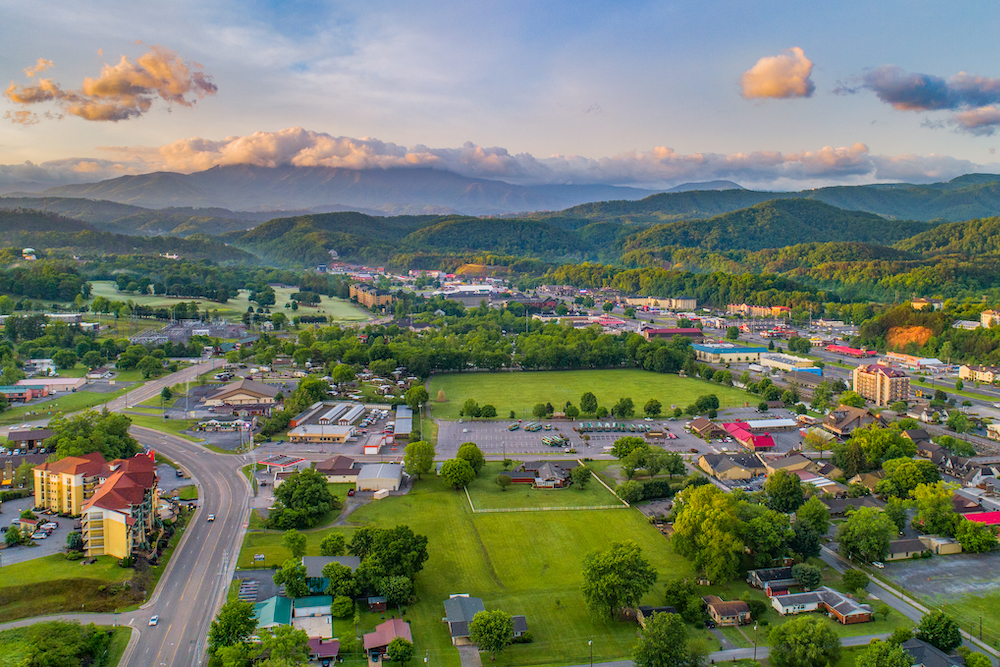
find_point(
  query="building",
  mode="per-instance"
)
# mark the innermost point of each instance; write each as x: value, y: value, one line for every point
x: 908, y: 548
x: 369, y: 296
x: 941, y: 546
x: 929, y: 364
x: 404, y: 423
x: 927, y: 304
x: 740, y: 432
x: 64, y: 485
x: 459, y: 610
x: 34, y: 367
x: 54, y: 384
x: 377, y: 642
x: 546, y: 474
x: 771, y: 578
x: 338, y: 470
x: 758, y: 311
x: 845, y: 419
x: 30, y: 439
x: 845, y: 609
x: 274, y: 611
x: 988, y: 318
x: 732, y: 467
x: 380, y: 477
x: 315, y: 565
x: 981, y: 374
x: 653, y: 333
x: 724, y: 353
x: 923, y: 654
x: 841, y: 506
x: 243, y: 392
x: 118, y: 519
x: 23, y: 393
x: 325, y: 650
x: 733, y: 613
x: 881, y: 385
x: 858, y: 353
x: 784, y: 362
x: 663, y: 302
x: 321, y: 434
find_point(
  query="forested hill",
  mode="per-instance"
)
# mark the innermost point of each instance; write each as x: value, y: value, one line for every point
x: 512, y: 237
x: 970, y: 238
x: 774, y: 224
x: 963, y: 198
x: 30, y: 220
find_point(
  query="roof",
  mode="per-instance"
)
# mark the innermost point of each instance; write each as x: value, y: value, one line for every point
x: 520, y: 623
x: 324, y: 648
x: 989, y: 518
x: 281, y: 461
x: 313, y: 601
x: 726, y: 608
x: 787, y: 461
x: 275, y: 610
x: 926, y: 655
x: 673, y: 331
x: 840, y: 505
x: 126, y: 486
x: 315, y: 564
x: 381, y: 471
x: 247, y: 386
x: 879, y: 369
x: 727, y: 348
x: 906, y: 546
x: 773, y: 573
x: 33, y: 434
x: 89, y: 465
x: 459, y: 611
x: 338, y: 465
x: 386, y: 632
x: 916, y: 434
x: 841, y: 603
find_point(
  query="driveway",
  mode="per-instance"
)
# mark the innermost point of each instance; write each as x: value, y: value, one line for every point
x: 469, y: 656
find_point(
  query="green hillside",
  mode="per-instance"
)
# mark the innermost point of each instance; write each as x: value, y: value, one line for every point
x: 508, y: 236
x: 972, y: 237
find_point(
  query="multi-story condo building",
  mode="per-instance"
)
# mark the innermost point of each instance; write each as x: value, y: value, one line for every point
x: 64, y: 486
x: 119, y: 517
x: 881, y: 385
x: 369, y: 296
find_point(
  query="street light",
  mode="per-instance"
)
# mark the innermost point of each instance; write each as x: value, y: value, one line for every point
x: 755, y: 641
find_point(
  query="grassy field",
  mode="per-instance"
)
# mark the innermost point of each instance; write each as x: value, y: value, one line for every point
x: 52, y: 584
x: 336, y: 309
x: 14, y: 646
x: 189, y: 492
x: 157, y: 422
x: 486, y: 494
x: 66, y: 403
x: 520, y: 392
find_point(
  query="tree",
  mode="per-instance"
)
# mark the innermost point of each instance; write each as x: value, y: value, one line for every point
x: 784, y: 491
x: 295, y: 542
x: 653, y: 408
x: 399, y: 550
x: 854, y: 580
x: 418, y: 457
x: 396, y: 589
x: 866, y: 535
x: 814, y: 515
x: 615, y: 578
x: 13, y: 536
x: 958, y: 422
x: 283, y: 643
x: 301, y: 500
x: 470, y: 408
x: 539, y: 411
x: 293, y: 575
x: 808, y: 576
x: 580, y: 476
x: 903, y: 475
x: 733, y: 333
x: 342, y: 607
x: 588, y: 403
x: 674, y: 464
x: 757, y: 607
x: 340, y: 580
x: 400, y: 650
x: 806, y: 641
x: 883, y: 654
x: 488, y: 411
x: 654, y: 461
x: 624, y: 446
x: 503, y: 481
x: 852, y: 399
x: 333, y: 545
x: 816, y: 442
x: 492, y: 631
x: 805, y: 541
x: 939, y: 631
x: 234, y: 624
x: 457, y: 473
x: 630, y: 491
x: 631, y: 463
x: 663, y: 643
x: 976, y: 537
x: 74, y: 541
x: 470, y: 452
x: 935, y: 513
x: 416, y: 396
x: 64, y: 359
x: 959, y: 385
x: 92, y: 431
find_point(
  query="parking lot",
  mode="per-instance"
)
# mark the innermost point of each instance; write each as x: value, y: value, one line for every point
x: 944, y: 577
x: 55, y: 543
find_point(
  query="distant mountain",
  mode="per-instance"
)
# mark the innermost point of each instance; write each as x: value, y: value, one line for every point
x: 775, y: 224
x: 972, y: 238
x: 963, y: 198
x: 708, y: 185
x: 409, y: 191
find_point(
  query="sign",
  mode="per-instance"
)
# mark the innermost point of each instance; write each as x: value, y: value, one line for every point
x: 257, y: 557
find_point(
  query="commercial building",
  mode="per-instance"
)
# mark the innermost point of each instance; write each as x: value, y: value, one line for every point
x: 929, y: 364
x: 982, y: 374
x: 118, y: 518
x: 339, y: 469
x: 758, y: 311
x: 663, y: 302
x: 369, y: 296
x: 404, y: 423
x: 380, y: 477
x: 732, y: 467
x: 64, y: 485
x: 721, y: 353
x: 243, y: 392
x: 23, y: 393
x: 54, y: 384
x: 988, y: 318
x: 784, y: 362
x: 29, y: 439
x: 881, y: 385
x: 319, y: 434
x: 652, y: 333
x: 845, y: 419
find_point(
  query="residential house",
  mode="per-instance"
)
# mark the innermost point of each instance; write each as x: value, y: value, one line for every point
x: 869, y: 480
x: 315, y: 564
x: 325, y: 650
x: 923, y: 654
x: 645, y: 612
x: 461, y: 609
x: 880, y: 384
x: 64, y: 485
x: 732, y: 467
x: 338, y: 470
x: 771, y: 578
x: 842, y: 506
x: 845, y: 609
x: 845, y: 419
x: 908, y: 548
x: 734, y: 612
x: 789, y: 463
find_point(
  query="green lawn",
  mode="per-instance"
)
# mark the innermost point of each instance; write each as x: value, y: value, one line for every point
x: 486, y: 494
x: 14, y: 646
x: 52, y: 584
x: 189, y: 492
x: 174, y: 426
x: 66, y: 403
x: 520, y: 392
x: 968, y: 610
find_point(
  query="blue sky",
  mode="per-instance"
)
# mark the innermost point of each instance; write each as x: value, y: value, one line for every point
x: 608, y: 87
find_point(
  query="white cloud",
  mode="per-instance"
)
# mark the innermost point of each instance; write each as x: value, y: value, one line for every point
x: 783, y: 76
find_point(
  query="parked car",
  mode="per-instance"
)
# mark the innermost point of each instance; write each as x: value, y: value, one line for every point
x: 879, y: 565
x: 153, y: 620
x: 350, y: 492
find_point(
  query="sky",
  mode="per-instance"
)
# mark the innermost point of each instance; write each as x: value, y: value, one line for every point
x: 775, y: 95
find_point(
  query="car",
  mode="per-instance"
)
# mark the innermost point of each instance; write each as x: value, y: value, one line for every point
x: 153, y: 620
x: 465, y: 430
x: 350, y: 492
x: 211, y: 517
x: 879, y: 565
x: 693, y: 450
x: 51, y: 525
x: 40, y: 535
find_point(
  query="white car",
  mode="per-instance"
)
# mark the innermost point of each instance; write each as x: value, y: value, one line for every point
x: 49, y: 526
x: 879, y: 565
x: 154, y: 620
x: 41, y: 535
x: 211, y: 517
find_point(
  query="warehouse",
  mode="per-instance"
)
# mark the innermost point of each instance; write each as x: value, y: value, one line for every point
x: 724, y: 353
x: 784, y: 362
x: 380, y: 477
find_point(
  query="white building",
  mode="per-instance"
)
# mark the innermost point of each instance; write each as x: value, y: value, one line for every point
x: 380, y: 477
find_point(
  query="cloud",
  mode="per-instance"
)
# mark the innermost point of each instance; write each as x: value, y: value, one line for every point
x: 659, y: 167
x: 782, y: 77
x: 123, y: 91
x: 983, y: 121
x: 30, y: 177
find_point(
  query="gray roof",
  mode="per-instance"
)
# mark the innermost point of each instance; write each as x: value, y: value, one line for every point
x: 906, y: 546
x: 459, y: 612
x: 925, y: 655
x: 836, y: 600
x: 381, y: 471
x: 773, y: 573
x: 520, y: 623
x: 315, y: 564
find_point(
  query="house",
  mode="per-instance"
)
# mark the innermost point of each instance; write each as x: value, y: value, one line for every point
x: 822, y: 484
x: 789, y: 463
x: 315, y: 564
x: 274, y: 611
x: 243, y: 392
x: 377, y: 603
x: 29, y: 439
x: 118, y: 519
x: 323, y: 649
x: 311, y: 605
x: 732, y: 467
x: 845, y: 419
x: 941, y: 545
x: 771, y: 578
x: 838, y: 605
x: 380, y: 477
x: 377, y: 642
x: 923, y: 654
x: 548, y: 474
x: 734, y: 612
x: 869, y: 480
x: 459, y: 610
x: 842, y: 506
x: 338, y: 470
x: 916, y: 435
x: 64, y: 485
x: 963, y: 505
x: 908, y: 548
x: 645, y: 611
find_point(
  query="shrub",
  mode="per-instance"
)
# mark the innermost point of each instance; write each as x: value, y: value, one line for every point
x: 658, y: 488
x: 526, y: 638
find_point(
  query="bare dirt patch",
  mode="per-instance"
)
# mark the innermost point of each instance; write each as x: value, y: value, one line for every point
x: 900, y: 337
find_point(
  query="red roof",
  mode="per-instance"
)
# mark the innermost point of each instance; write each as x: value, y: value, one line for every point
x: 126, y: 486
x: 762, y: 441
x: 386, y: 632
x: 690, y: 330
x: 845, y: 349
x: 989, y: 518
x: 88, y: 465
x: 324, y: 648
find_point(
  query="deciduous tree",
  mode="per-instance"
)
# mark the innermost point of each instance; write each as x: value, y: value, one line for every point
x: 492, y: 631
x: 866, y: 535
x: 806, y: 641
x: 615, y: 578
x: 940, y: 631
x: 418, y: 457
x: 663, y: 643
x: 457, y: 473
x: 883, y: 654
x: 295, y: 542
x: 293, y: 575
x: 333, y: 545
x: 234, y: 624
x: 470, y: 452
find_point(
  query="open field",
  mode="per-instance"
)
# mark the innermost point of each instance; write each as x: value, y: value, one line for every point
x: 52, y: 584
x: 521, y: 391
x: 486, y: 494
x: 523, y: 562
x: 335, y: 309
x: 174, y: 426
x: 66, y: 403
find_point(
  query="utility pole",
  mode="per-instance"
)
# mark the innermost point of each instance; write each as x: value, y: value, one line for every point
x: 755, y: 641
